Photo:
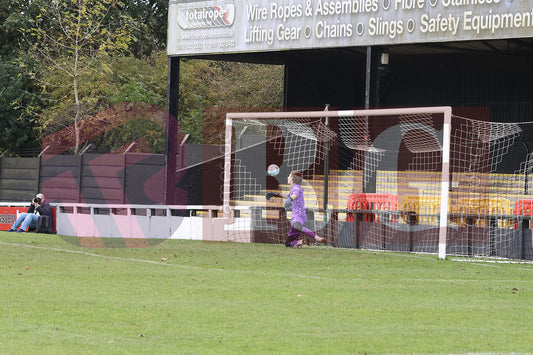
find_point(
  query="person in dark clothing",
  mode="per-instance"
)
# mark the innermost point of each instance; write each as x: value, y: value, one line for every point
x: 38, y: 207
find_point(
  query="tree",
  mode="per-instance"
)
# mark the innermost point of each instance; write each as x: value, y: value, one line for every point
x: 149, y: 27
x: 72, y: 39
x: 141, y: 81
x: 19, y: 107
x: 20, y: 101
x: 251, y: 86
x: 138, y: 80
x: 208, y: 89
x: 90, y: 55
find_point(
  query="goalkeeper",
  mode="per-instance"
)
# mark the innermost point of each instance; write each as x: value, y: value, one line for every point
x: 295, y: 201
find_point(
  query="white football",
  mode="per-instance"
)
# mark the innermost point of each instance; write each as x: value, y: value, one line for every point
x: 273, y: 170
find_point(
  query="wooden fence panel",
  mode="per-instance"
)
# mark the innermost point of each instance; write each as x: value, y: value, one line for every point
x: 107, y: 179
x: 144, y: 179
x: 19, y: 178
x: 102, y: 178
x: 60, y: 178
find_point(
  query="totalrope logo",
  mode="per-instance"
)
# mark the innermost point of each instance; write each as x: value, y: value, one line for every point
x: 206, y: 16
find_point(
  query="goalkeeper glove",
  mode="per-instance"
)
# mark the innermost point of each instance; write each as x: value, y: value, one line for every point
x: 288, y: 203
x: 269, y: 195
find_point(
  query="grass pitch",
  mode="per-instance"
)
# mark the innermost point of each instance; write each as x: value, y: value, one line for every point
x: 190, y: 297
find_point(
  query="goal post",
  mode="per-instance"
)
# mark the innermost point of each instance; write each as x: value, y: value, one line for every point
x: 304, y: 132
x: 445, y: 180
x: 422, y: 180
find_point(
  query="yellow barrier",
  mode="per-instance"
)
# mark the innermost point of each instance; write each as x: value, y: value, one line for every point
x: 468, y: 207
x: 421, y: 205
x: 484, y: 207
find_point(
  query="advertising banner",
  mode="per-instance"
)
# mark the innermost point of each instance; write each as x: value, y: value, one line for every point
x: 232, y: 26
x: 8, y: 215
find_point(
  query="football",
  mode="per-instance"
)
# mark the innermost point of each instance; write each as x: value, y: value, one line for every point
x: 273, y: 170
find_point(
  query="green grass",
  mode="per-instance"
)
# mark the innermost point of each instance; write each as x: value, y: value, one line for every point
x: 225, y: 298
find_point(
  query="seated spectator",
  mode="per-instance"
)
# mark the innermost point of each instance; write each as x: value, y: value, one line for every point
x: 29, y: 220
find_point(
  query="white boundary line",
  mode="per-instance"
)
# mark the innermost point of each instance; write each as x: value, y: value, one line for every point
x: 492, y: 261
x: 241, y: 271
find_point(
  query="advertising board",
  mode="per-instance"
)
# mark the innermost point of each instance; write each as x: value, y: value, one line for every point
x: 233, y: 26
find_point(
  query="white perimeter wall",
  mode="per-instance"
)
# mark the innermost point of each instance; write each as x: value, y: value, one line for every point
x: 143, y: 221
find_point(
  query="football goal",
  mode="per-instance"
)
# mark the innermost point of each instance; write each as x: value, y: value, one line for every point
x: 410, y: 179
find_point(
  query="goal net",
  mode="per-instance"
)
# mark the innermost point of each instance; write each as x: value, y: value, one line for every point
x: 379, y: 179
